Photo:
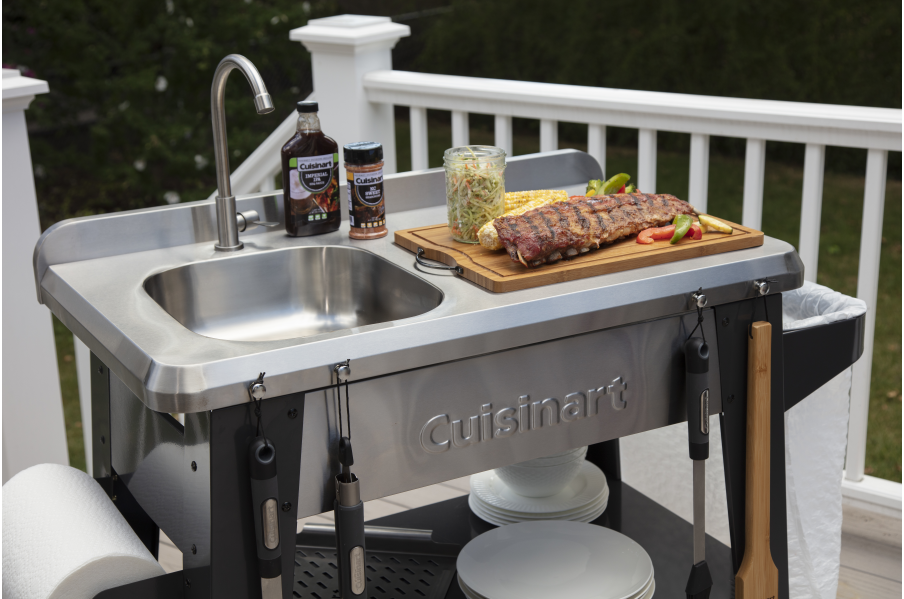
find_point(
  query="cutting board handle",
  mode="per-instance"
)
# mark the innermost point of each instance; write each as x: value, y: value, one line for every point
x: 757, y: 577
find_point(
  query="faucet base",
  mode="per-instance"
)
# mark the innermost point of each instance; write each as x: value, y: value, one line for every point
x: 228, y: 248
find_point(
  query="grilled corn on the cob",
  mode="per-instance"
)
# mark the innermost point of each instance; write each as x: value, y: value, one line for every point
x: 518, y: 202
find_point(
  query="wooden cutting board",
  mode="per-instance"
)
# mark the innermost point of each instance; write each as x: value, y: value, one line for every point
x: 495, y: 271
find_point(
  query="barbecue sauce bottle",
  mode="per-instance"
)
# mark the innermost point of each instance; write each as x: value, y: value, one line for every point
x: 310, y: 167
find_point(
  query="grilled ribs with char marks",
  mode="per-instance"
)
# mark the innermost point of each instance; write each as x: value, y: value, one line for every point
x: 579, y: 224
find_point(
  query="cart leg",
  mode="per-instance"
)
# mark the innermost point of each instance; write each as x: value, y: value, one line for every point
x: 102, y: 460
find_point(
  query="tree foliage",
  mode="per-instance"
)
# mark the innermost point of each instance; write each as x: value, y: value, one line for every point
x: 127, y: 119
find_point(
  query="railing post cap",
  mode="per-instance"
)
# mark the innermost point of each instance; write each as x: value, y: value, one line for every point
x: 19, y: 91
x: 349, y: 32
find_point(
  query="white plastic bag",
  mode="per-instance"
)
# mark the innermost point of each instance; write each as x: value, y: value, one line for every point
x: 656, y: 462
x: 815, y: 443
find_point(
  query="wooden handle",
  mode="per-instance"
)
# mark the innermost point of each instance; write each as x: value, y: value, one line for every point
x: 758, y: 577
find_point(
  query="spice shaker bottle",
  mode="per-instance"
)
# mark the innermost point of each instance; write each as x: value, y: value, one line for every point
x: 366, y: 201
x: 310, y: 165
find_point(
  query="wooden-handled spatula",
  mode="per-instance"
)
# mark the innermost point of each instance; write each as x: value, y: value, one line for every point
x: 757, y: 577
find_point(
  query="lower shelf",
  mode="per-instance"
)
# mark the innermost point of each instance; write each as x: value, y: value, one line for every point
x: 665, y: 536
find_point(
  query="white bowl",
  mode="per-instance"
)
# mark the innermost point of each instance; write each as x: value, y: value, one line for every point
x: 555, y: 459
x: 543, y: 481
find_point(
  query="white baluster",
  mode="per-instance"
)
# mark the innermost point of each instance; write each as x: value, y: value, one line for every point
x: 698, y: 187
x: 867, y: 290
x: 461, y: 134
x: 419, y: 158
x: 646, y: 160
x: 549, y: 135
x: 596, y: 144
x: 754, y: 171
x: 503, y: 127
x: 811, y: 209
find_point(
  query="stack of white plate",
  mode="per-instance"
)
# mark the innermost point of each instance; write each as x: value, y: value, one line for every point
x: 555, y: 559
x: 584, y: 499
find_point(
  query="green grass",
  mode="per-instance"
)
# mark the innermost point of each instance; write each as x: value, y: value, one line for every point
x: 69, y: 385
x: 838, y: 258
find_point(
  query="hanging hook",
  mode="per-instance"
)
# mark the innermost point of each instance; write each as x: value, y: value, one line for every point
x: 256, y: 392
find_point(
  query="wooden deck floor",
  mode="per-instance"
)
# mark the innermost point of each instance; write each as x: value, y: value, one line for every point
x: 870, y: 544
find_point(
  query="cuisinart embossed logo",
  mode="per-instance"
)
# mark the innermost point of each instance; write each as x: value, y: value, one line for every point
x: 441, y: 432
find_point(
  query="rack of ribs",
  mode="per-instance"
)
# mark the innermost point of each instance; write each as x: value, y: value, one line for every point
x: 566, y: 229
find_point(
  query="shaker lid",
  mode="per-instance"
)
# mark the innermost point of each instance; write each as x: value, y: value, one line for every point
x: 307, y: 107
x: 363, y: 152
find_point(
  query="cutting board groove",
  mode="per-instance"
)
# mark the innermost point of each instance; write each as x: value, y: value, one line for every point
x: 495, y: 271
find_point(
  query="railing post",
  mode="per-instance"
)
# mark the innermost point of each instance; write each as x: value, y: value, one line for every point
x: 503, y: 133
x: 343, y: 50
x: 867, y: 290
x: 596, y: 144
x: 461, y: 133
x: 646, y: 160
x: 419, y: 147
x: 549, y: 135
x: 698, y: 184
x: 33, y: 429
x: 754, y: 171
x: 811, y: 209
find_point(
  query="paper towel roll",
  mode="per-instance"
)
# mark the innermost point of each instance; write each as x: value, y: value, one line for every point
x: 63, y: 537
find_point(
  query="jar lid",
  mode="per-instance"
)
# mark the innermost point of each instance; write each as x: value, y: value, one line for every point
x: 307, y: 107
x: 485, y: 154
x: 363, y: 152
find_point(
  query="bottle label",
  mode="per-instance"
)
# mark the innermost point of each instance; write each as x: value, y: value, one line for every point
x: 314, y: 187
x: 366, y: 208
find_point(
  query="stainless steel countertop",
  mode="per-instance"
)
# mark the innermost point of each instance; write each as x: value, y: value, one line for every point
x: 172, y: 369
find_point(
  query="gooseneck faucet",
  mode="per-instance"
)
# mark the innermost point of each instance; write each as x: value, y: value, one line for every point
x: 227, y: 229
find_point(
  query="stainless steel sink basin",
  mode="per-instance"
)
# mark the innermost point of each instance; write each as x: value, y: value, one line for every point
x: 290, y: 293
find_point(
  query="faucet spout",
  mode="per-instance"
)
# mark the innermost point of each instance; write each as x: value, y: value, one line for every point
x: 227, y: 231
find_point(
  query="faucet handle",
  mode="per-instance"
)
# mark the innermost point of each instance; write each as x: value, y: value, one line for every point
x: 250, y: 218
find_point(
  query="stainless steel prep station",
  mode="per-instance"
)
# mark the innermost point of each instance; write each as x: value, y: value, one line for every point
x: 446, y: 378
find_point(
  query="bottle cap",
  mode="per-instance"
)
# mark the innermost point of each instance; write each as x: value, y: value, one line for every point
x: 306, y: 107
x: 363, y: 152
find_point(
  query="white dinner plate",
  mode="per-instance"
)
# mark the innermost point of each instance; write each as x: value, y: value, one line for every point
x: 646, y: 593
x: 554, y: 559
x: 586, y: 486
x: 488, y: 513
x: 498, y: 520
x: 569, y: 515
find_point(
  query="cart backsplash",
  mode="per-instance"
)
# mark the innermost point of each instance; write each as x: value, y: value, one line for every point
x: 433, y: 424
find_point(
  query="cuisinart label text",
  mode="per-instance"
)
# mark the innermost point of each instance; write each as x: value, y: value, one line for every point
x: 442, y: 433
x: 365, y: 199
x: 315, y: 173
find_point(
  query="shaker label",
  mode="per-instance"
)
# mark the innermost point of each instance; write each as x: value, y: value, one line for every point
x: 365, y: 199
x: 369, y: 187
x: 315, y: 173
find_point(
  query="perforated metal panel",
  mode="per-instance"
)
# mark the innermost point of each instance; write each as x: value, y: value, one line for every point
x: 389, y: 574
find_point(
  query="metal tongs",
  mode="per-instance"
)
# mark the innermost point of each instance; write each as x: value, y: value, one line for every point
x: 348, y: 507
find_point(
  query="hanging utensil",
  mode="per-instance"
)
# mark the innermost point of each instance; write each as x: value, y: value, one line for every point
x: 757, y: 577
x: 696, y: 366
x: 348, y: 507
x: 264, y: 493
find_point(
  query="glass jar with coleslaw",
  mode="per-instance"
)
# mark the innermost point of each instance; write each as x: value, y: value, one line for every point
x: 475, y: 188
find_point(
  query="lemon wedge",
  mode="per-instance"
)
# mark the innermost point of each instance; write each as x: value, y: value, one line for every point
x: 713, y: 224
